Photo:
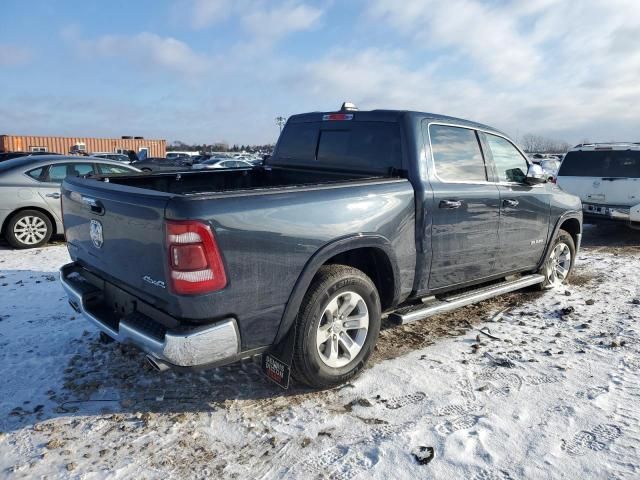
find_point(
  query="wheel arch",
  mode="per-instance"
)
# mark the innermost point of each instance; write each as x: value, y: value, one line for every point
x: 571, y: 220
x: 373, y: 254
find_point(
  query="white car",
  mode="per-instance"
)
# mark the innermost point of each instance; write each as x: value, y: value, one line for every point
x: 215, y: 163
x: 606, y: 177
x: 118, y: 157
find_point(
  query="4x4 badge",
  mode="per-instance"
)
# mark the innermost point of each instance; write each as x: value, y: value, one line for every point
x: 95, y: 232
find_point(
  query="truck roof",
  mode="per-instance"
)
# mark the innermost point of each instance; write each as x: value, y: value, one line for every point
x: 391, y: 116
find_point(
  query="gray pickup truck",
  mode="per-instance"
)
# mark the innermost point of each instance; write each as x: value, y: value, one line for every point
x: 357, y: 215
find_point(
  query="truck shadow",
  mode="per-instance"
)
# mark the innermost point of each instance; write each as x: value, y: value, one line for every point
x: 611, y: 237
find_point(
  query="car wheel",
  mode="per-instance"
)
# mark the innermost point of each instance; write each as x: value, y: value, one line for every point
x: 337, y: 327
x: 28, y: 229
x: 146, y: 170
x: 560, y: 260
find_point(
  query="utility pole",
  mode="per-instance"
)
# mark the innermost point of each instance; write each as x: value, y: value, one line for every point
x: 280, y: 121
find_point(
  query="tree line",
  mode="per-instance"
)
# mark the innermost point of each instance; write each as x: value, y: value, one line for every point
x: 177, y: 145
x: 539, y: 144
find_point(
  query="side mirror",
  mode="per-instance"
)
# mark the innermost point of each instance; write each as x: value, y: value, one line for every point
x: 535, y: 175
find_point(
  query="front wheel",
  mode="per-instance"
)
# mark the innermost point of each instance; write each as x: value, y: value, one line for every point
x: 337, y: 327
x: 560, y: 260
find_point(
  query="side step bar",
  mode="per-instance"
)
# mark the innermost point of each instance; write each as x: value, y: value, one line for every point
x: 418, y: 312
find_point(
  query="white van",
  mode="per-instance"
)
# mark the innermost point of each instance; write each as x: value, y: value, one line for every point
x: 606, y: 176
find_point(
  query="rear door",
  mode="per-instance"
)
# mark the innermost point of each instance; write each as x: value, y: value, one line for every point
x: 466, y: 209
x: 524, y: 208
x: 602, y: 176
x: 49, y: 189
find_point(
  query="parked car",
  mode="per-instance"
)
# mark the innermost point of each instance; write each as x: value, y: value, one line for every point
x: 606, y: 176
x: 160, y: 164
x: 10, y: 155
x: 355, y: 214
x: 214, y: 163
x: 175, y: 155
x: 118, y: 157
x: 30, y: 194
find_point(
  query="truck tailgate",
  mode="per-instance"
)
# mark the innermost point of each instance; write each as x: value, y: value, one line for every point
x: 119, y: 232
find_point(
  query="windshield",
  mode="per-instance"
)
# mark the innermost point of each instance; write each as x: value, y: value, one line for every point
x: 601, y: 163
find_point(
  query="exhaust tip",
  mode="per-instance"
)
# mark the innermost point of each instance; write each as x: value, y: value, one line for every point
x: 157, y: 365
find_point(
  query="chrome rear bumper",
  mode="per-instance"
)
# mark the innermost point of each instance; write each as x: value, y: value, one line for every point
x: 207, y: 345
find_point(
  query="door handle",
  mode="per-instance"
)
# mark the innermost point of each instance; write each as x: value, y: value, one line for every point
x: 450, y: 204
x: 509, y: 202
x: 53, y: 195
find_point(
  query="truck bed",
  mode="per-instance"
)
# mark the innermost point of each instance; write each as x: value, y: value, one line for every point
x: 213, y: 181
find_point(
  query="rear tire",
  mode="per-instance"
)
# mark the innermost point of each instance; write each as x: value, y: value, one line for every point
x: 336, y: 328
x: 559, y: 262
x: 28, y: 229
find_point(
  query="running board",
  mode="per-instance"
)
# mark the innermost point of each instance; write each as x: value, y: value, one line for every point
x: 418, y: 312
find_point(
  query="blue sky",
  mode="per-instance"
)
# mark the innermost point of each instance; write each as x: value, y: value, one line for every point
x: 221, y: 70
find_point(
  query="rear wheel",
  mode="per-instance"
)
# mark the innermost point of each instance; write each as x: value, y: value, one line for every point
x: 28, y: 229
x: 337, y: 327
x: 560, y: 260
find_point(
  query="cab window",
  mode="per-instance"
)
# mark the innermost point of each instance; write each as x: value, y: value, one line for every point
x: 456, y: 154
x: 511, y: 166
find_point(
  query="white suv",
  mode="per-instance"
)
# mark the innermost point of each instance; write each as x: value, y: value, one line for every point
x: 606, y: 177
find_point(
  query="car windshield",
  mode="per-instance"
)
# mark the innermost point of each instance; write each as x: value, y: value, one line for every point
x: 601, y: 163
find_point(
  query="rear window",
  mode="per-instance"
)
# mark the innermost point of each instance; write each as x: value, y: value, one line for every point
x: 456, y: 154
x: 361, y: 146
x: 601, y: 163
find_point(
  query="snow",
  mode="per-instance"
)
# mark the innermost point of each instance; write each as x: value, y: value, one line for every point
x: 556, y: 396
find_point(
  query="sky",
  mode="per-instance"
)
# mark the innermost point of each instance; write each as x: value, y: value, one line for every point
x: 203, y: 71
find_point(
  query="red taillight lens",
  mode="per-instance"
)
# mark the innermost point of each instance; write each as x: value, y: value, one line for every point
x: 188, y: 257
x: 195, y: 262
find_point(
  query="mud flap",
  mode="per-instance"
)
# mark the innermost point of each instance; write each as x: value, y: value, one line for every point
x: 276, y: 363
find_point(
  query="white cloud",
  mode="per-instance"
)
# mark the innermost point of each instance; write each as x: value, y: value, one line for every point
x: 146, y: 49
x: 14, y: 55
x: 489, y: 34
x: 264, y: 21
x: 281, y: 21
x: 208, y: 12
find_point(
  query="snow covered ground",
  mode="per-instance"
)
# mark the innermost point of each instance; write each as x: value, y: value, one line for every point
x: 556, y: 395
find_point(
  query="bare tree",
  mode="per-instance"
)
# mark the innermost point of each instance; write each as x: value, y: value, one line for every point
x: 539, y: 144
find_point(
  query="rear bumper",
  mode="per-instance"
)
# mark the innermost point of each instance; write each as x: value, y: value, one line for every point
x: 607, y: 212
x: 209, y: 345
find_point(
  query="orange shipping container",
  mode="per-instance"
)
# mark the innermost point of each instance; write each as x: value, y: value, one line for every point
x: 64, y: 145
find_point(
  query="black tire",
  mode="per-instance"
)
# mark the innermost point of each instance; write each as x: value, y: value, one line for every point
x: 562, y: 237
x: 331, y: 282
x: 146, y: 170
x: 40, y: 236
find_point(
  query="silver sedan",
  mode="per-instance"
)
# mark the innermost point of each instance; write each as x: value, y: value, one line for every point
x: 30, y: 211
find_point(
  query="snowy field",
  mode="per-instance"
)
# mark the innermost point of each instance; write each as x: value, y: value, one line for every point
x: 556, y: 394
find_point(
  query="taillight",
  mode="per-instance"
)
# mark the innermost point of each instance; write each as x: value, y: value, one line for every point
x: 195, y: 263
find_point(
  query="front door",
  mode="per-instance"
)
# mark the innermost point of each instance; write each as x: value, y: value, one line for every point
x: 524, y: 208
x: 465, y: 210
